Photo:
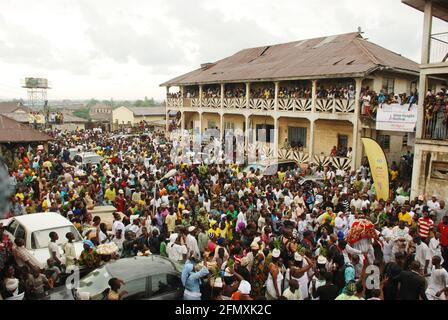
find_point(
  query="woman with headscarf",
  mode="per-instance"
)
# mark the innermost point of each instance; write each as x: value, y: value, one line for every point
x: 191, y: 279
x: 259, y: 275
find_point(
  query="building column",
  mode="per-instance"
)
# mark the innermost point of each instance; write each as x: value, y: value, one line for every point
x: 276, y: 96
x: 427, y: 30
x: 200, y: 123
x: 422, y: 87
x: 313, y: 95
x: 167, y: 118
x: 182, y: 122
x: 221, y: 127
x: 247, y: 94
x: 311, y: 144
x: 356, y: 138
x: 200, y: 95
x: 246, y: 133
x: 415, y: 184
x: 276, y: 138
x: 222, y: 95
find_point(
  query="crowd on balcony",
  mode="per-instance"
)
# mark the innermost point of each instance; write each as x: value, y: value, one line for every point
x: 174, y: 95
x: 262, y: 93
x: 294, y: 93
x: 191, y: 93
x: 436, y: 115
x: 236, y: 93
x: 335, y: 92
x: 371, y: 101
x: 210, y: 93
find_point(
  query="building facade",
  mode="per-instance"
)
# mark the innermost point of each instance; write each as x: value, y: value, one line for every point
x: 314, y: 94
x: 430, y: 171
x: 132, y: 116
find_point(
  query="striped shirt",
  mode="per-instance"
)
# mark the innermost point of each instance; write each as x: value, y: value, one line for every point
x: 424, y: 226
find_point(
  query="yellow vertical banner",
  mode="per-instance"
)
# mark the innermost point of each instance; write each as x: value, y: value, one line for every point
x: 378, y: 168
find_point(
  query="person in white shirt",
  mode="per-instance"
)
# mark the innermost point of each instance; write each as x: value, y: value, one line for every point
x: 438, y: 281
x: 433, y: 204
x: 175, y: 250
x: 192, y: 244
x: 341, y: 223
x: 434, y: 247
x: 356, y: 203
x: 55, y: 251
x: 422, y: 254
x: 117, y: 224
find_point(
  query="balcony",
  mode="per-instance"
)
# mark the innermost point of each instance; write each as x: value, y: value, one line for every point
x: 235, y: 103
x: 302, y: 105
x: 435, y: 126
x: 439, y: 48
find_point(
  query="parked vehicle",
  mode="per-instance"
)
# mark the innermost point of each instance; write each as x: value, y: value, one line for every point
x: 88, y: 158
x: 35, y: 229
x: 270, y: 167
x: 146, y: 278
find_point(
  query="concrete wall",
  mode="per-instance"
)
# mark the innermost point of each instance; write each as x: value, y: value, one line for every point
x: 284, y: 123
x: 326, y: 135
x: 427, y: 184
x: 123, y: 116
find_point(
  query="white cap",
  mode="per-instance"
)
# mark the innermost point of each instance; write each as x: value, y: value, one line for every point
x: 244, y: 287
x: 191, y: 228
x: 218, y: 283
x: 298, y: 257
x: 321, y: 260
x: 276, y: 253
x: 120, y: 191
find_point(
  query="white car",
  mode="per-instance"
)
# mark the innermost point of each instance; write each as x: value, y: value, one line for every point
x: 88, y: 158
x: 35, y: 229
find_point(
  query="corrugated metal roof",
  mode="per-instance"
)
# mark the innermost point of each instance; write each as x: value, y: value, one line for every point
x: 68, y: 118
x: 339, y: 56
x: 13, y: 131
x: 9, y: 107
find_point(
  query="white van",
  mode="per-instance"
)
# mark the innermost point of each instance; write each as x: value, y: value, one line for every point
x: 35, y: 229
x: 88, y: 158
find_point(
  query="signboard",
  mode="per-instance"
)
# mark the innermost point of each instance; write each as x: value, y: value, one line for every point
x: 396, y: 117
x: 378, y: 167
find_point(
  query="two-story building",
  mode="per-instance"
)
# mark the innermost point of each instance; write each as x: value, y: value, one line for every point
x: 430, y: 171
x: 314, y: 94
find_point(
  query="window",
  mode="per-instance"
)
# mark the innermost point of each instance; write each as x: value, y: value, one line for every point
x: 229, y: 125
x: 264, y: 132
x: 384, y: 141
x: 297, y: 136
x: 413, y: 87
x: 20, y: 232
x: 136, y: 289
x: 164, y: 283
x: 211, y: 124
x: 405, y: 140
x: 342, y: 141
x: 388, y: 85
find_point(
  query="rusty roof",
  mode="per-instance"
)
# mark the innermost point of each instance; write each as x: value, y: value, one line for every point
x: 344, y: 55
x: 13, y: 131
x: 9, y: 107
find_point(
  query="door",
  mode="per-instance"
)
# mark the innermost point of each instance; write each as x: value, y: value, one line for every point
x: 165, y: 287
x: 137, y: 289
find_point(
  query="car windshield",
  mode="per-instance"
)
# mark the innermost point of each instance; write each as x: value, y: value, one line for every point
x: 41, y: 238
x: 95, y: 283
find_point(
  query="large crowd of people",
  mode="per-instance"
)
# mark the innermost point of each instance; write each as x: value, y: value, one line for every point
x: 241, y: 235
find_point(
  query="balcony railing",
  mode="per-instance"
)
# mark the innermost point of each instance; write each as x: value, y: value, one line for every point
x: 435, y: 126
x: 344, y: 106
x: 235, y: 103
x: 439, y: 48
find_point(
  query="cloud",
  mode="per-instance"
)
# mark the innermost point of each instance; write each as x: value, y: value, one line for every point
x: 123, y: 48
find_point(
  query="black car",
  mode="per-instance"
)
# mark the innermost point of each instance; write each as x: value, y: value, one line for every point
x: 146, y: 278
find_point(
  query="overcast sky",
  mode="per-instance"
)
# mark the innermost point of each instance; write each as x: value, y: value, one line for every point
x: 125, y: 49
